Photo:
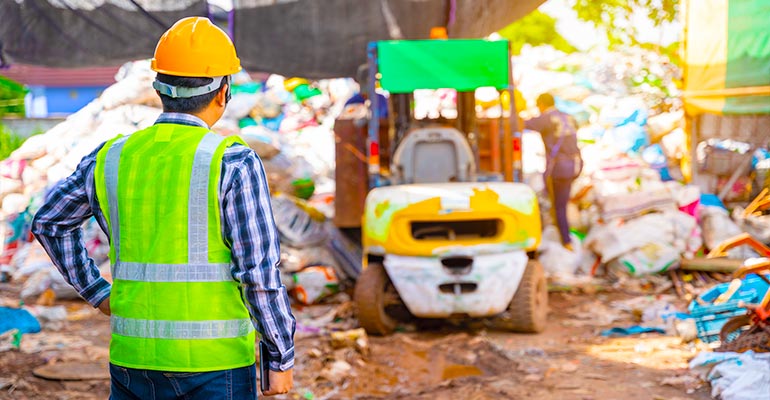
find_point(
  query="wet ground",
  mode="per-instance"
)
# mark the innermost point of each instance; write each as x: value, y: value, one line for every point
x: 570, y: 360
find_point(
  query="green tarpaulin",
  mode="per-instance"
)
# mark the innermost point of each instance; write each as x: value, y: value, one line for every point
x: 727, y: 57
x: 459, y: 64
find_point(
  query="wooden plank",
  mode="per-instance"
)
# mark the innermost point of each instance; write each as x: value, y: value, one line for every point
x: 711, y: 264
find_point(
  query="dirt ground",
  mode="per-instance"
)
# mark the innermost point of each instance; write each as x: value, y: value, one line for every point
x: 570, y: 360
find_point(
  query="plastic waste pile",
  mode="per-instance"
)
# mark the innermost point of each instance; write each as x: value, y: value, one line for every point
x: 629, y: 210
x: 287, y: 122
x: 317, y: 260
x: 630, y: 213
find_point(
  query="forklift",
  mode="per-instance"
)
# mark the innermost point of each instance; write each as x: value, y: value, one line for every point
x: 442, y: 237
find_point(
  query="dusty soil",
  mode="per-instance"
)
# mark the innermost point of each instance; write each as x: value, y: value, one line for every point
x: 570, y: 360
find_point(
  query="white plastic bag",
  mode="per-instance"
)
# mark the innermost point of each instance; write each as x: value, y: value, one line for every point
x: 735, y: 376
x: 559, y: 263
x: 48, y: 278
x: 717, y: 226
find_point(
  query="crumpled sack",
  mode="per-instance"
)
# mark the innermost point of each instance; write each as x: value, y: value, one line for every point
x: 12, y: 169
x: 298, y: 224
x: 651, y: 258
x: 295, y: 259
x: 735, y: 376
x: 675, y: 229
x: 756, y: 226
x: 133, y: 86
x: 263, y: 141
x: 314, y: 283
x: 48, y: 278
x: 240, y: 106
x: 559, y: 263
x: 717, y: 226
x: 29, y: 259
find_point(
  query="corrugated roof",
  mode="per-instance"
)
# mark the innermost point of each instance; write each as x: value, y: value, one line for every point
x: 61, y: 77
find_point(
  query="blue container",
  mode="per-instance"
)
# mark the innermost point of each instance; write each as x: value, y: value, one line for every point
x: 710, y: 318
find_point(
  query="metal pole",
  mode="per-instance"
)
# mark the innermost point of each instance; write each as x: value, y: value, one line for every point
x: 512, y: 163
x: 373, y: 145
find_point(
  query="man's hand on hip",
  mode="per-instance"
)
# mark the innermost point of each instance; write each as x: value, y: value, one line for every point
x: 280, y: 382
x: 104, y: 307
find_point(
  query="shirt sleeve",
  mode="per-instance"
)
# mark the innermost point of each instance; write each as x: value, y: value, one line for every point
x: 249, y: 230
x: 535, y: 124
x: 57, y: 226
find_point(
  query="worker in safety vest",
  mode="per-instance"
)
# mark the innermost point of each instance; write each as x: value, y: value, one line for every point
x: 193, y: 245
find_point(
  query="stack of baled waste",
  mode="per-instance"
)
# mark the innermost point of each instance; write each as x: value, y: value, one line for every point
x: 288, y: 122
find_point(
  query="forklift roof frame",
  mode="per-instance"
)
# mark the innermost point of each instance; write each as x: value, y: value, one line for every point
x: 452, y: 66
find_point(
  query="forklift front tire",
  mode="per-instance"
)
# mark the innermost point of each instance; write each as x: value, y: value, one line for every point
x: 370, y: 297
x: 528, y: 310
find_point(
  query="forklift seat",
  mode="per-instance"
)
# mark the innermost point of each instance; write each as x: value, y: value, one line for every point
x: 433, y: 155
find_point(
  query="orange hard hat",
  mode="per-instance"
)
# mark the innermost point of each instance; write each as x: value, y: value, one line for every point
x: 195, y: 47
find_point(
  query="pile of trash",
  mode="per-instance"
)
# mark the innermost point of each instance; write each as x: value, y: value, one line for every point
x: 629, y: 211
x: 630, y: 214
x: 287, y: 122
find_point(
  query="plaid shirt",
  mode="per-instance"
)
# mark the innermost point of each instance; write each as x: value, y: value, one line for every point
x: 247, y: 226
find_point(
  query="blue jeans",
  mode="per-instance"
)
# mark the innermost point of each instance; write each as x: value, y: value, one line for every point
x: 139, y: 384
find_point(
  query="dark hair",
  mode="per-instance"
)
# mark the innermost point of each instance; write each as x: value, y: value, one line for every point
x: 545, y: 100
x: 187, y: 104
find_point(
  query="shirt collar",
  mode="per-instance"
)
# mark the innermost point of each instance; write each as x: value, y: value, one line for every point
x: 180, y: 119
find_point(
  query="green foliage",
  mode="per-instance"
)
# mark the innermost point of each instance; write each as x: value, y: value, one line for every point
x: 535, y: 29
x: 671, y: 51
x: 9, y: 142
x: 613, y: 16
x: 11, y: 97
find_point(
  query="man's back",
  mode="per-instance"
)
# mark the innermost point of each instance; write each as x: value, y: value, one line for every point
x: 557, y: 129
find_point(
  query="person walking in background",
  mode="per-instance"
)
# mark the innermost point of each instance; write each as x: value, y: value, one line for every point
x: 563, y: 161
x: 193, y: 245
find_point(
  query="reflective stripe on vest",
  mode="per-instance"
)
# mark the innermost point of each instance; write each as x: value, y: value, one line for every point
x: 197, y: 217
x: 145, y: 272
x: 111, y: 182
x: 198, y: 269
x: 180, y: 329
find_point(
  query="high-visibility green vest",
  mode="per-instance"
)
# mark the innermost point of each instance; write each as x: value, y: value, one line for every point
x: 175, y: 305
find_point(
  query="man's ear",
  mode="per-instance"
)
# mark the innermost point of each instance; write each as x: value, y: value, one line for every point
x: 221, y: 97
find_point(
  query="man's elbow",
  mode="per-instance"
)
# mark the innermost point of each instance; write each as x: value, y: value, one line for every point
x: 38, y: 226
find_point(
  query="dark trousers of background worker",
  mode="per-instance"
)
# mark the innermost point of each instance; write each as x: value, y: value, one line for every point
x: 559, y: 191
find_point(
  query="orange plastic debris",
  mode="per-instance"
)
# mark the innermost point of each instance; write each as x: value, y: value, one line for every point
x: 739, y: 240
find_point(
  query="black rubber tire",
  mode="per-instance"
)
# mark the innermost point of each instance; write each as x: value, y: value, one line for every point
x: 528, y: 311
x: 370, y: 298
x: 733, y: 328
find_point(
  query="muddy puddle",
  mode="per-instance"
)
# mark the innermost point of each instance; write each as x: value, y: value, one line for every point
x: 399, y: 365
